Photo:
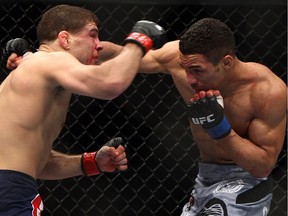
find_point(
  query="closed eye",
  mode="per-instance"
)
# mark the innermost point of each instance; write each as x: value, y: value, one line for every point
x: 192, y: 70
x: 94, y: 33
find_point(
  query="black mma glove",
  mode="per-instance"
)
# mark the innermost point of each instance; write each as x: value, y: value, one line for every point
x: 19, y: 46
x: 147, y: 35
x: 209, y: 113
x: 115, y: 142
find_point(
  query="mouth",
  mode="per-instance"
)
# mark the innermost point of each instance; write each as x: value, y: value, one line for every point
x: 195, y: 87
x: 198, y: 88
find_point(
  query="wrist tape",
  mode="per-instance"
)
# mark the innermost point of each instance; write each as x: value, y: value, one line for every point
x: 141, y: 40
x: 88, y: 164
x: 219, y: 131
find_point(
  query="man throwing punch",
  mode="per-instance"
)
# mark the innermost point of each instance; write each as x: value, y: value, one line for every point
x: 34, y: 99
x: 237, y: 113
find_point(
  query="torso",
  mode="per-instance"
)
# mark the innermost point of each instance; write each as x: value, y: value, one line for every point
x: 33, y: 112
x: 239, y: 120
x: 241, y: 106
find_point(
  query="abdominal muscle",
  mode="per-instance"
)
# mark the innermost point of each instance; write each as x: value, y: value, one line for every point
x: 209, y: 150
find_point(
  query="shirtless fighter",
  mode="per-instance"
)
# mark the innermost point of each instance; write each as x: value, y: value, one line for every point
x: 34, y: 99
x: 237, y: 113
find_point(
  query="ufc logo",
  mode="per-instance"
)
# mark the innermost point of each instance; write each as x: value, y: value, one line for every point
x: 203, y: 119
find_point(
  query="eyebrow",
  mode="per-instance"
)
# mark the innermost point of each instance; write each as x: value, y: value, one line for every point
x: 191, y: 66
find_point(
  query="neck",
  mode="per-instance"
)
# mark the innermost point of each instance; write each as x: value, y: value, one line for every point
x: 45, y: 48
x: 234, y: 76
x: 50, y: 47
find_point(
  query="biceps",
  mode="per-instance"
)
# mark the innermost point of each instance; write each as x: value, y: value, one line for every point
x: 150, y: 65
x: 268, y: 136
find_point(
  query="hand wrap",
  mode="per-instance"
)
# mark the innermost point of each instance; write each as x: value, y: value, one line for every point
x: 209, y: 113
x: 89, y: 164
x: 88, y: 160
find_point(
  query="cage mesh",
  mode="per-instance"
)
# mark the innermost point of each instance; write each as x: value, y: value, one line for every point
x: 150, y: 114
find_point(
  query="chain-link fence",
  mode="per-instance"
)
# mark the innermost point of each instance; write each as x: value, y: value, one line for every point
x: 150, y: 114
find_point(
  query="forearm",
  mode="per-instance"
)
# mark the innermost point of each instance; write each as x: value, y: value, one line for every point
x: 108, y: 158
x: 251, y: 157
x: 145, y: 35
x: 155, y: 61
x: 61, y: 166
x: 149, y: 63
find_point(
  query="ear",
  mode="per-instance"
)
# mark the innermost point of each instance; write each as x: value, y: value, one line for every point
x: 63, y: 38
x: 227, y: 61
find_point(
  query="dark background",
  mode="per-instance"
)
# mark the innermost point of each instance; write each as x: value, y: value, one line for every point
x: 150, y: 114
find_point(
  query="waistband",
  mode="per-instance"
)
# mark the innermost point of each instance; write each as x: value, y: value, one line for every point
x: 20, y: 175
x: 223, y: 171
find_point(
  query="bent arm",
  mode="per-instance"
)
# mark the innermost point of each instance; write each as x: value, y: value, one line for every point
x: 61, y: 166
x: 259, y: 153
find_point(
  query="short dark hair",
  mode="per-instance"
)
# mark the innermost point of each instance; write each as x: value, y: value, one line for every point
x: 209, y: 37
x: 63, y: 17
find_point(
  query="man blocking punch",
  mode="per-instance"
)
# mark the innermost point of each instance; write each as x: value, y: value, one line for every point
x: 206, y: 109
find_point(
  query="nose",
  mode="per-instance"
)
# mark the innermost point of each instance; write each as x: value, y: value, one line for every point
x: 99, y: 46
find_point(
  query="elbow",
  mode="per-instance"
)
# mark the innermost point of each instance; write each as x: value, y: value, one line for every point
x: 113, y: 89
x: 260, y: 174
x: 263, y: 172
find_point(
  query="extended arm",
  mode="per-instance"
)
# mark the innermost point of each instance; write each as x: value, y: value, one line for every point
x: 163, y: 60
x: 109, y: 79
x: 166, y: 60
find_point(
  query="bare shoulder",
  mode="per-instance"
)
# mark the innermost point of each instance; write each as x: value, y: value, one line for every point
x: 270, y: 90
x: 164, y: 59
x: 57, y: 57
x: 169, y: 51
x: 42, y: 62
x: 265, y: 76
x: 42, y: 69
